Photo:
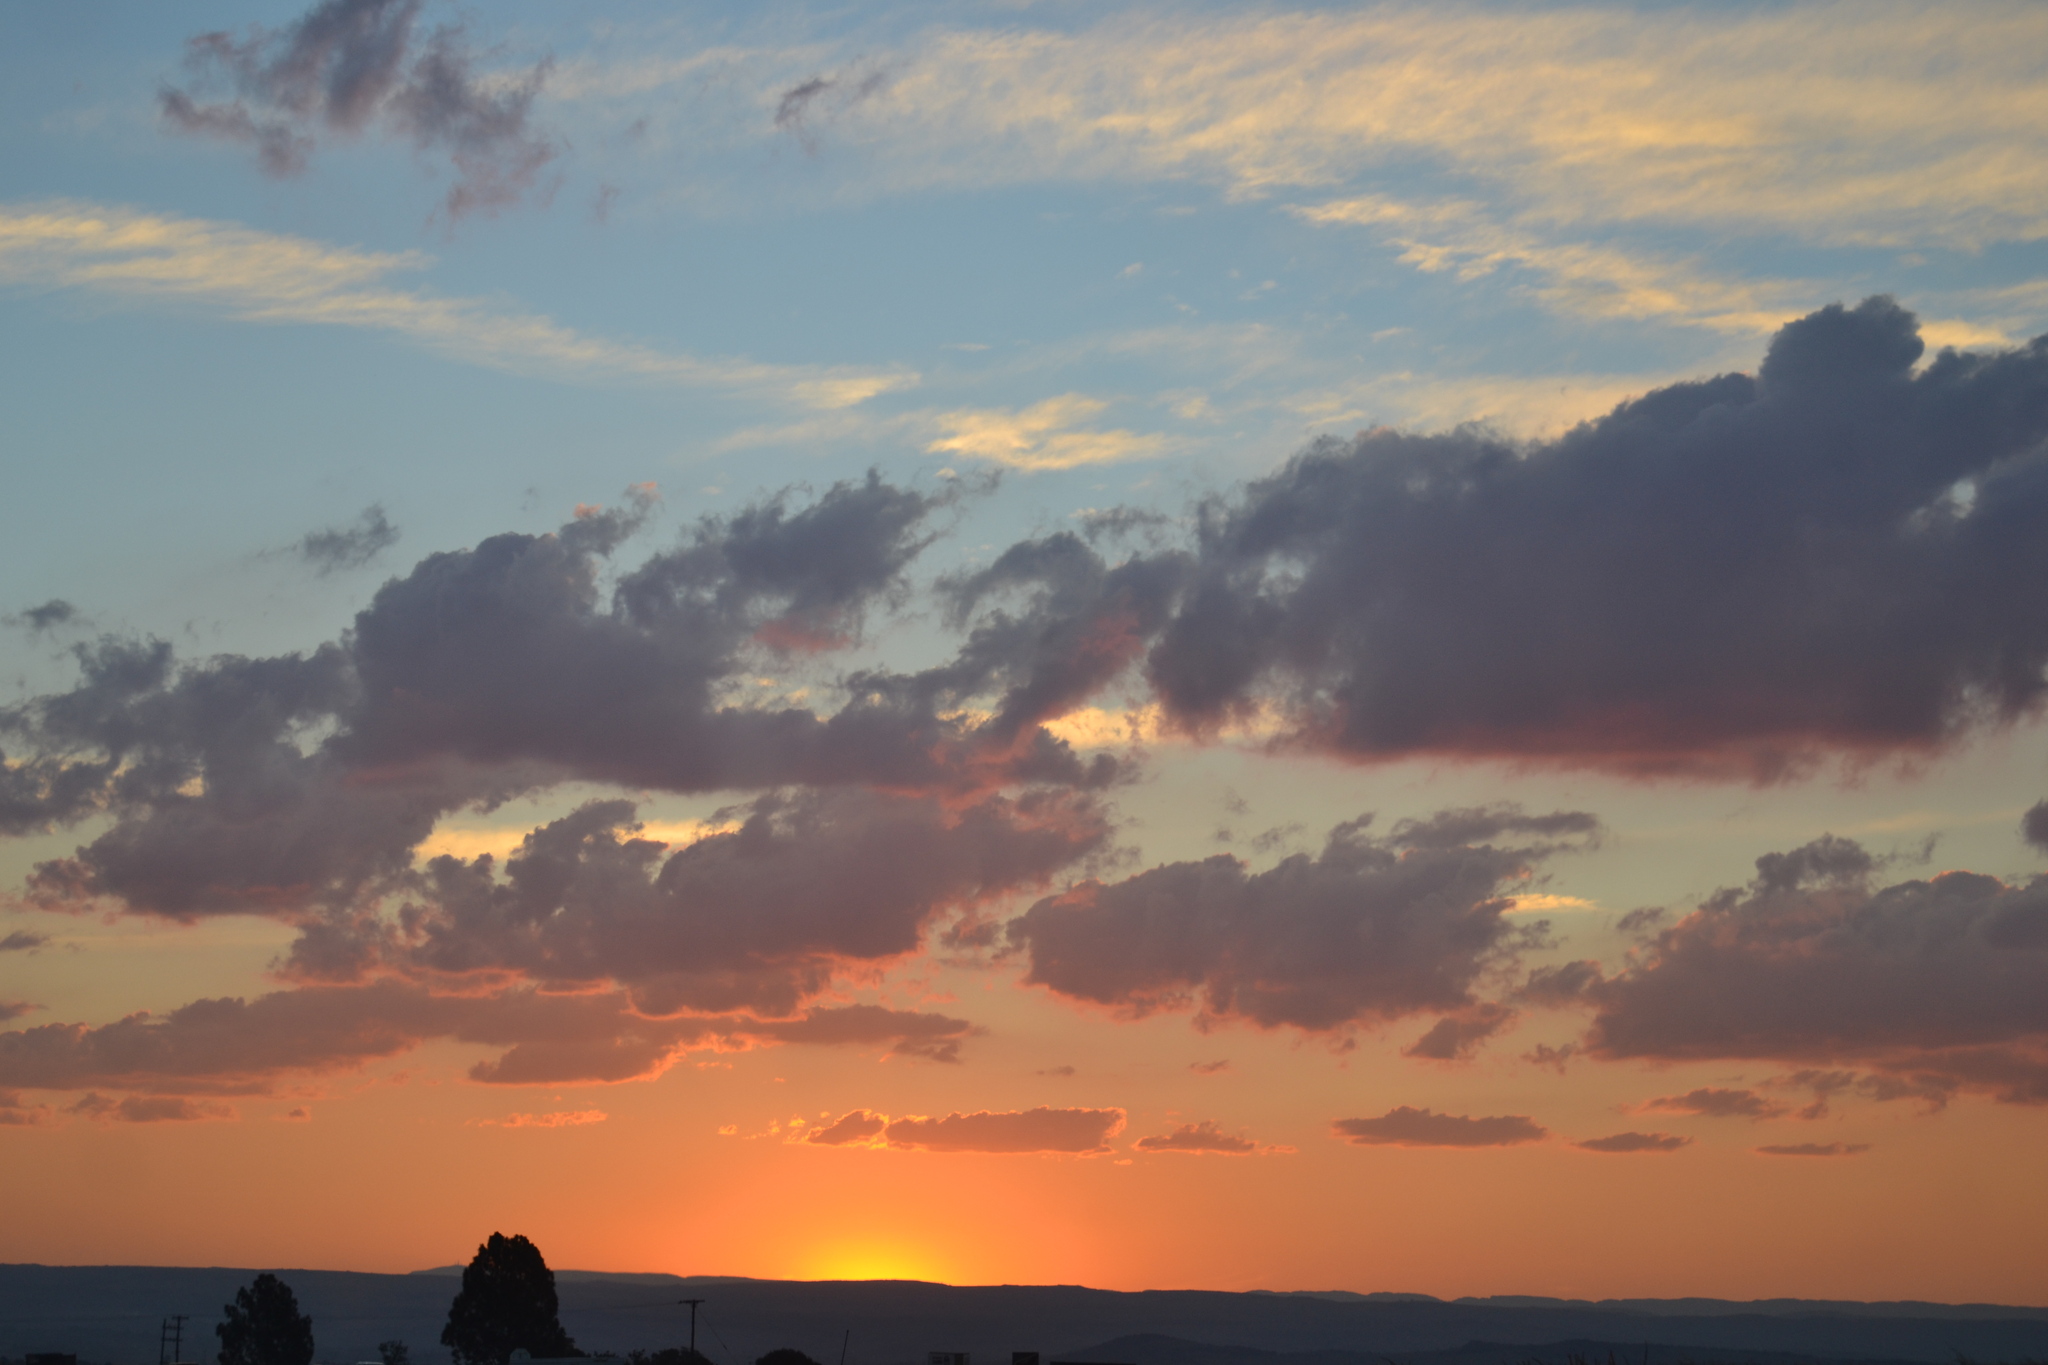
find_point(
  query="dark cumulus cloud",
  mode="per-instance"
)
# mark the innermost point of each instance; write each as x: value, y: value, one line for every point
x: 1369, y: 929
x: 1406, y: 1126
x: 22, y: 941
x: 1723, y: 578
x: 348, y: 66
x: 2034, y: 826
x: 1715, y: 1102
x: 1634, y: 1142
x: 857, y: 1125
x: 301, y: 783
x: 760, y: 917
x: 301, y: 787
x: 335, y: 548
x: 1814, y: 1149
x: 1929, y: 986
x: 1456, y: 1037
x: 1728, y: 578
x: 1205, y: 1136
x: 1074, y: 1132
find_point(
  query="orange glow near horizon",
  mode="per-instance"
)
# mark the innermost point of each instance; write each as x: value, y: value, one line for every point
x: 865, y: 1258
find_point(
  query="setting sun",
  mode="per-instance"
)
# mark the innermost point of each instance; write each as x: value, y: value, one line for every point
x: 866, y: 1259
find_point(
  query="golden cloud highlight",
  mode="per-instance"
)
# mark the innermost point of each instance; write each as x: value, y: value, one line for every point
x: 256, y: 276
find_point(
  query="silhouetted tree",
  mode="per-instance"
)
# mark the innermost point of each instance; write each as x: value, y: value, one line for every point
x: 507, y: 1303
x: 393, y: 1352
x: 264, y: 1326
x: 785, y: 1355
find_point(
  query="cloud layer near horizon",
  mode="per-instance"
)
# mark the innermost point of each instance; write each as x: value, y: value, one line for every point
x: 1737, y: 578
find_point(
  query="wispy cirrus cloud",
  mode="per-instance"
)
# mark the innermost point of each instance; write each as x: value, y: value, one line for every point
x: 1594, y: 280
x: 267, y: 277
x: 1835, y: 123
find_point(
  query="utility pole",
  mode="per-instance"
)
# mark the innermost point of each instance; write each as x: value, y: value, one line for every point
x: 170, y: 1340
x: 693, y: 1322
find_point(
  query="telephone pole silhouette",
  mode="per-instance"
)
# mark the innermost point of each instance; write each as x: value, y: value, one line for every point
x: 170, y: 1340
x: 693, y: 1322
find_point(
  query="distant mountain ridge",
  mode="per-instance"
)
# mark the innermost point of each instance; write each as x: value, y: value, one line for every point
x: 111, y: 1314
x: 1154, y: 1350
x: 1696, y: 1307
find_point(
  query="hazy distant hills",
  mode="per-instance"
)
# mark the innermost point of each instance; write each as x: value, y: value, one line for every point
x: 112, y: 1313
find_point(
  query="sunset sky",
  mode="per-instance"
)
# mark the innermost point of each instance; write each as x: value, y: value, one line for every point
x: 1157, y: 646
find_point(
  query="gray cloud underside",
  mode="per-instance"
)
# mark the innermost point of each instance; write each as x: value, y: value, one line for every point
x: 1369, y: 929
x: 1934, y: 985
x: 1726, y: 577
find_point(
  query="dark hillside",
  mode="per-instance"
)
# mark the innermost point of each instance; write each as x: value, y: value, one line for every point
x: 111, y: 1313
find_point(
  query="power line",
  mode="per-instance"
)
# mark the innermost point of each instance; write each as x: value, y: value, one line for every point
x: 714, y: 1332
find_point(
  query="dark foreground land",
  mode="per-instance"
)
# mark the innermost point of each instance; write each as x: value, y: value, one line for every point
x: 112, y: 1314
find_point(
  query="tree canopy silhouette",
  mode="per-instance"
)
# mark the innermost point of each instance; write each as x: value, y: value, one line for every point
x: 785, y: 1355
x: 507, y: 1303
x: 264, y: 1326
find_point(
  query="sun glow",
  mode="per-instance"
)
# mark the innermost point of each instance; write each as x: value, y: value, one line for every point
x: 872, y: 1260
